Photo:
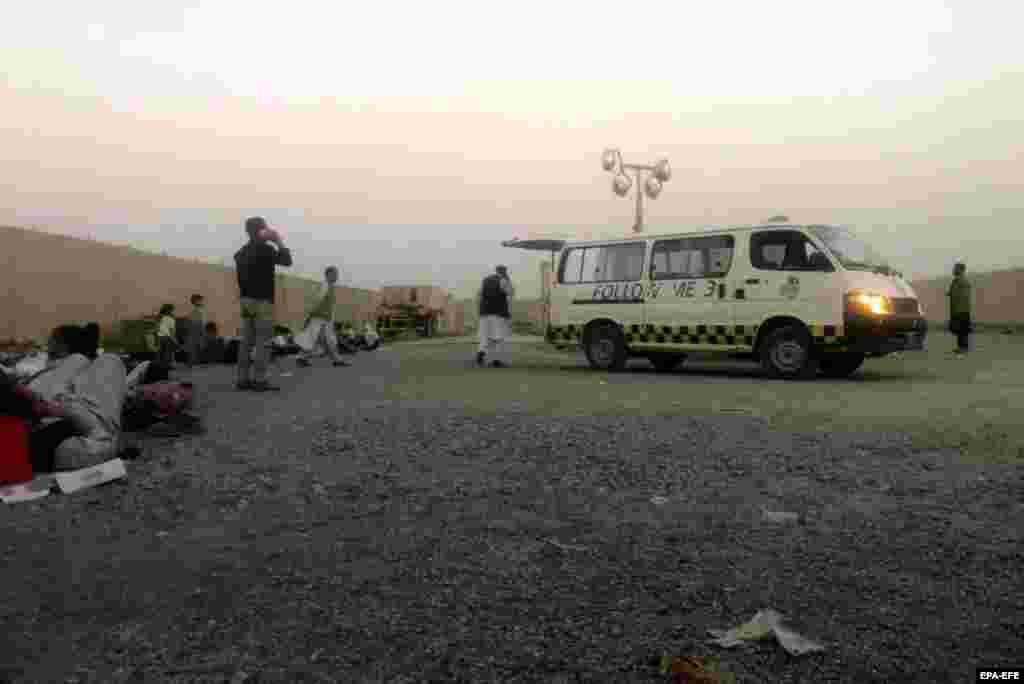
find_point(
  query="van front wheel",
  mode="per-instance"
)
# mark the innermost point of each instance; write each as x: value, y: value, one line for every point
x: 787, y: 353
x: 606, y: 348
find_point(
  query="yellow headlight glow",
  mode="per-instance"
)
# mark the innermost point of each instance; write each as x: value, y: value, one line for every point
x: 870, y: 302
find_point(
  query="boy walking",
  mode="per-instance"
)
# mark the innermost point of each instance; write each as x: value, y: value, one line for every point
x: 255, y: 263
x: 319, y: 331
x: 167, y: 344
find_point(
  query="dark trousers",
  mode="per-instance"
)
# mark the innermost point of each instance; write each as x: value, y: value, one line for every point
x: 196, y: 343
x: 960, y: 325
x: 165, y: 355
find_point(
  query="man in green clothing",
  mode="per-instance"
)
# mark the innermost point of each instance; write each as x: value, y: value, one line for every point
x: 319, y: 331
x: 960, y: 308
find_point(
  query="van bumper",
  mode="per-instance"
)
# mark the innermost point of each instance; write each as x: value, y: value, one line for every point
x: 881, y: 336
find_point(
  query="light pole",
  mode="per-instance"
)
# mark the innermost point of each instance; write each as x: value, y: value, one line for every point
x: 657, y: 175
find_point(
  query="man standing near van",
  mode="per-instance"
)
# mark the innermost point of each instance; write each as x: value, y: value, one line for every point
x: 960, y: 308
x: 255, y: 264
x: 495, y: 316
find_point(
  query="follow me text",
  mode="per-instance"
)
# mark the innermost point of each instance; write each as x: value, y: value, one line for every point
x: 617, y: 292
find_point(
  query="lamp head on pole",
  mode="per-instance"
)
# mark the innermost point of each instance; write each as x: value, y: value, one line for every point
x: 610, y: 159
x: 662, y: 171
x: 622, y: 184
x: 652, y: 187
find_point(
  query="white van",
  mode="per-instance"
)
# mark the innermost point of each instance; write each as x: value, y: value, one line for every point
x: 798, y: 299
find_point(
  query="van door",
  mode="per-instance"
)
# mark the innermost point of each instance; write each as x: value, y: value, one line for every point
x: 790, y: 275
x: 688, y: 305
x: 598, y: 281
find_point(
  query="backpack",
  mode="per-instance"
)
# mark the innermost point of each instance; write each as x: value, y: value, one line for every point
x: 156, y: 402
x: 168, y: 398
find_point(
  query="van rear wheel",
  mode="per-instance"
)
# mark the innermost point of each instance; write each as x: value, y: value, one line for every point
x: 840, y: 365
x: 666, y: 363
x: 787, y: 354
x: 606, y: 348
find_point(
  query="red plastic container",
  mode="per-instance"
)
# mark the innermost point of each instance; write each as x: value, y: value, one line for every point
x: 15, y: 457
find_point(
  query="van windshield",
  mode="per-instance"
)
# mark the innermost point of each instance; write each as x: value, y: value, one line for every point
x: 852, y: 252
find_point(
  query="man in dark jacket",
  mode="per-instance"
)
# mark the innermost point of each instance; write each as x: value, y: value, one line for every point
x: 495, y: 316
x: 255, y: 266
x: 960, y: 308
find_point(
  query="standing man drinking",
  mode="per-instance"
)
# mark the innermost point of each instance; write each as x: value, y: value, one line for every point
x: 255, y: 264
x: 495, y: 316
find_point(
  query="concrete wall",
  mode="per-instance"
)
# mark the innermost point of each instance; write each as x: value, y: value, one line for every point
x: 46, y: 280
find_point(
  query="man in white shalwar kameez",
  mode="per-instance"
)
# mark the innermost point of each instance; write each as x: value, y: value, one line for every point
x: 318, y: 337
x: 495, y: 295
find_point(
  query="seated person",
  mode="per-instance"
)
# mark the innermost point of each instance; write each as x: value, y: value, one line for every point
x: 88, y: 394
x: 90, y: 340
x: 370, y: 336
x: 215, y: 347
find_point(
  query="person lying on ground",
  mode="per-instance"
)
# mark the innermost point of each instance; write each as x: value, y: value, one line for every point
x: 88, y: 394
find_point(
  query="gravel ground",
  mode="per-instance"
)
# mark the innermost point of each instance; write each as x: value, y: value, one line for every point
x: 334, y: 534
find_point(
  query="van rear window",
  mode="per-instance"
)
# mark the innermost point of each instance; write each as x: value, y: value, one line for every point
x: 603, y: 263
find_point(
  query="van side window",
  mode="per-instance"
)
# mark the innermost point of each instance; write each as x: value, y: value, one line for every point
x: 703, y: 257
x: 786, y: 250
x: 604, y: 263
x: 572, y: 266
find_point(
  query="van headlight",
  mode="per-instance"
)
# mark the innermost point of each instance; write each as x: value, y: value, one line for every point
x: 868, y: 303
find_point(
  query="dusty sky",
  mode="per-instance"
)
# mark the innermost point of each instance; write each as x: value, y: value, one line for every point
x: 405, y: 140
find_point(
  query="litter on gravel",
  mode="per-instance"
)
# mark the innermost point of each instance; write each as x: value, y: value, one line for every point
x: 694, y: 670
x: 779, y: 516
x: 27, y: 491
x: 766, y: 624
x: 66, y: 482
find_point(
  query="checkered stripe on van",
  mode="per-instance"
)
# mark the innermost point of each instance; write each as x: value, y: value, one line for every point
x: 565, y: 333
x: 711, y: 335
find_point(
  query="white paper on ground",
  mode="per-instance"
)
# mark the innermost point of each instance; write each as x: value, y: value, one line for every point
x: 764, y: 625
x: 27, y: 491
x: 76, y: 480
x: 779, y: 516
